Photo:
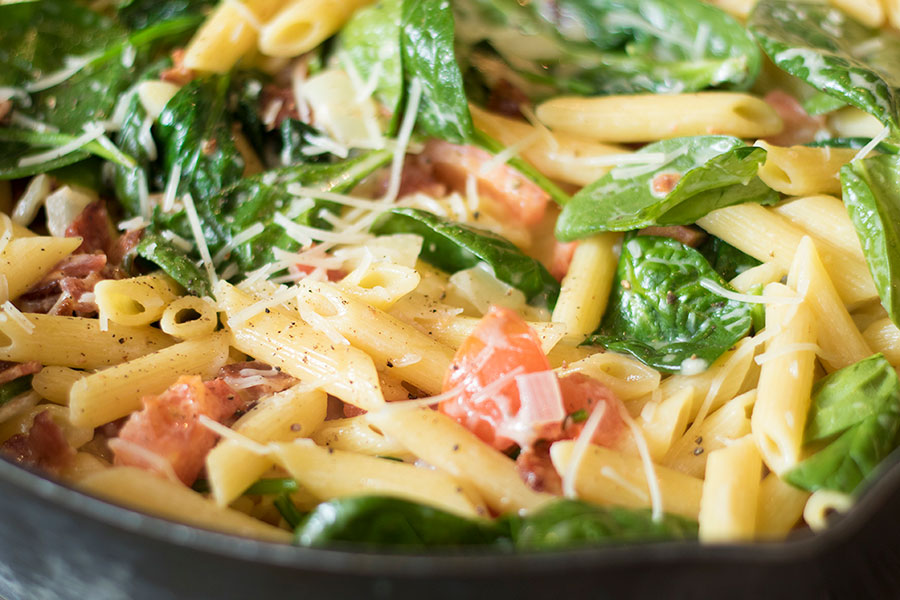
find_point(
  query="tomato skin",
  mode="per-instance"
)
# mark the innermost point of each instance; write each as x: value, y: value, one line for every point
x: 581, y: 392
x: 502, y: 342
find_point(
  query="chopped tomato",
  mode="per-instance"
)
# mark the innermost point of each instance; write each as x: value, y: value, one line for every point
x: 169, y: 427
x: 799, y: 126
x: 562, y: 258
x: 522, y: 199
x: 503, y: 344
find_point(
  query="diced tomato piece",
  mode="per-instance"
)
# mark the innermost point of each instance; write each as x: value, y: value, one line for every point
x: 501, y: 343
x: 583, y: 393
x: 169, y: 426
x: 562, y: 258
x: 524, y: 201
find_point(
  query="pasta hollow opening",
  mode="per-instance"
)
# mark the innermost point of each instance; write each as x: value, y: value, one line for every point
x: 186, y: 315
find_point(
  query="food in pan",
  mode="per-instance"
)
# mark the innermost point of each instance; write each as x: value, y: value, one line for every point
x: 440, y: 273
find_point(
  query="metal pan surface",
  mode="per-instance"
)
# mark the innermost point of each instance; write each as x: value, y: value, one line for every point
x: 59, y: 544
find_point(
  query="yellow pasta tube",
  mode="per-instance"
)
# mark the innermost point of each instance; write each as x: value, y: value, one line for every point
x: 766, y: 236
x: 560, y: 156
x: 147, y: 492
x: 661, y: 424
x: 228, y: 34
x: 440, y: 441
x: 605, y: 476
x: 826, y: 220
x: 357, y: 434
x: 841, y: 342
x: 585, y: 288
x: 189, y: 317
x: 651, y: 117
x: 626, y: 377
x: 785, y: 380
x: 407, y: 353
x: 330, y: 473
x: 80, y: 342
x: 801, y: 170
x: 883, y: 336
x: 277, y: 339
x: 304, y: 24
x: 75, y: 435
x: 26, y: 260
x: 689, y: 453
x: 113, y: 393
x: 137, y: 300
x: 730, y: 492
x: 779, y: 508
x: 760, y: 275
x: 231, y: 468
x: 55, y: 383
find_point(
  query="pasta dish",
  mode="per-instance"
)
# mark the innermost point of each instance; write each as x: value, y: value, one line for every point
x: 431, y: 273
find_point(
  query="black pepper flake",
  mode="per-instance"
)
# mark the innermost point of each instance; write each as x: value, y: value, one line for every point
x: 699, y: 439
x: 698, y: 451
x: 121, y: 340
x: 331, y: 451
x: 390, y: 365
x: 268, y: 311
x: 296, y: 427
x: 455, y: 447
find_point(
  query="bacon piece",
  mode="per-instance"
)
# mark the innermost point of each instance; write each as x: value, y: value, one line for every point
x: 124, y: 246
x: 62, y: 291
x: 506, y: 99
x: 277, y: 104
x: 10, y: 371
x: 689, y: 236
x: 5, y: 108
x: 417, y: 177
x: 253, y: 380
x: 562, y: 258
x: 523, y: 200
x: 169, y: 427
x: 44, y: 446
x: 94, y: 226
x: 178, y: 73
x: 536, y: 469
x: 799, y: 126
x: 583, y: 393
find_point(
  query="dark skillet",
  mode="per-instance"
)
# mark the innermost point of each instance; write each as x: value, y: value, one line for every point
x: 56, y: 543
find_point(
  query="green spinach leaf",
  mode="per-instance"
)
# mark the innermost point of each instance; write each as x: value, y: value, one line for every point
x: 175, y: 262
x: 138, y: 14
x: 661, y: 313
x: 384, y: 521
x: 872, y: 197
x: 22, y: 144
x: 14, y: 388
x: 614, y: 46
x: 855, y: 143
x: 711, y: 172
x: 835, y: 54
x: 861, y: 405
x: 571, y: 523
x: 288, y: 510
x: 455, y: 246
x: 728, y: 261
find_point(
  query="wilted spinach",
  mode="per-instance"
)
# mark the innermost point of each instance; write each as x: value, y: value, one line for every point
x: 614, y: 46
x: 21, y: 143
x: 835, y: 54
x: 661, y: 313
x: 728, y: 261
x: 455, y: 246
x: 14, y: 388
x: 859, y: 404
x: 138, y: 14
x: 711, y: 172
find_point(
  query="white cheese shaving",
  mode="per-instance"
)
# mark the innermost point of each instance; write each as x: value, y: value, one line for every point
x: 25, y: 122
x: 403, y: 136
x: 197, y: 230
x: 132, y: 223
x: 73, y: 64
x: 406, y: 360
x: 9, y: 93
x: 321, y: 324
x: 92, y: 131
x: 865, y: 150
x: 244, y: 236
x: 226, y: 433
x: 305, y: 235
x: 280, y: 297
x: 649, y: 467
x: 155, y: 461
x: 579, y: 449
x: 510, y: 152
x: 16, y: 315
x: 171, y: 192
x: 787, y: 349
x: 177, y: 240
x: 715, y: 288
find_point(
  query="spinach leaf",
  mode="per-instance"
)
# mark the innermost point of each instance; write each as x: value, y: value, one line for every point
x: 822, y: 103
x: 861, y: 403
x: 36, y: 38
x: 855, y: 143
x: 371, y: 42
x: 872, y: 197
x: 455, y: 246
x: 429, y: 58
x: 833, y: 53
x: 614, y: 46
x: 20, y: 144
x: 288, y: 510
x: 728, y: 261
x: 711, y: 172
x: 175, y: 262
x: 661, y: 314
x: 569, y: 523
x: 384, y: 521
x: 14, y: 388
x: 138, y: 14
x: 851, y: 395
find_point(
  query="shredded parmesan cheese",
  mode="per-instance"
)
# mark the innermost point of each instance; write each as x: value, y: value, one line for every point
x: 579, y: 449
x: 73, y: 64
x: 157, y: 462
x: 244, y: 236
x: 226, y: 433
x: 649, y: 467
x: 197, y: 230
x: 92, y: 131
x: 865, y: 150
x: 403, y: 136
x: 16, y: 315
x: 715, y: 288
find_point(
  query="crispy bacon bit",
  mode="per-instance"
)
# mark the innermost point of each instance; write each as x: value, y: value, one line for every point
x: 506, y: 99
x: 664, y: 183
x: 178, y: 73
x: 5, y: 109
x: 562, y: 258
x: 799, y: 126
x: 536, y: 469
x: 124, y: 246
x: 169, y: 427
x: 522, y: 200
x: 253, y: 380
x: 44, y: 446
x: 277, y: 104
x: 418, y: 177
x: 689, y: 236
x: 62, y: 291
x: 94, y: 226
x: 10, y: 371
